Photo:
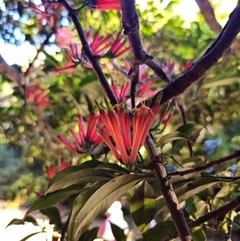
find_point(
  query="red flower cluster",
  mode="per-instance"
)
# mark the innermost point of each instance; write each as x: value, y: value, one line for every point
x: 98, y: 45
x: 52, y: 170
x: 64, y: 37
x: 128, y: 133
x: 38, y: 96
x: 87, y: 138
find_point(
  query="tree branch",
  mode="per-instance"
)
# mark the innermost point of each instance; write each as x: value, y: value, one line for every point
x: 219, y: 161
x: 88, y: 52
x: 130, y: 25
x: 209, y: 16
x: 181, y: 83
x: 167, y: 190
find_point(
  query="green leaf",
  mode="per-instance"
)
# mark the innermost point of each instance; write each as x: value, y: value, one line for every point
x: 28, y: 218
x: 198, y: 234
x: 89, y: 235
x: 54, y: 216
x: 190, y: 130
x: 76, y: 176
x: 160, y: 231
x: 142, y: 205
x: 115, y: 168
x: 78, y: 203
x: 118, y: 233
x: 101, y: 200
x: 171, y: 137
x: 220, y: 82
x: 53, y: 198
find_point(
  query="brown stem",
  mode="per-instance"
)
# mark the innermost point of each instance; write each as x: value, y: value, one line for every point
x: 167, y: 190
x: 219, y: 161
x: 130, y: 25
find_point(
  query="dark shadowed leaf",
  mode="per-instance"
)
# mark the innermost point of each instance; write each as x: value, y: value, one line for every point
x: 53, y: 198
x: 54, y: 216
x: 171, y: 137
x: 89, y: 235
x: 161, y: 230
x: 28, y: 218
x: 190, y: 130
x: 118, y: 233
x: 80, y: 177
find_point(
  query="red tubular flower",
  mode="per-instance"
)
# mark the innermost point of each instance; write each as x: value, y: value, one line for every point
x: 128, y: 134
x: 103, y: 4
x: 124, y: 89
x: 52, y: 170
x: 117, y: 48
x: 38, y: 96
x: 64, y: 37
x: 87, y: 138
x: 74, y: 58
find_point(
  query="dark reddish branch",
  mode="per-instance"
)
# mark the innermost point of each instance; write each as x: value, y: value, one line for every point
x: 219, y: 212
x: 209, y: 16
x: 130, y: 25
x: 88, y: 52
x: 219, y: 161
x: 168, y: 193
x: 219, y: 47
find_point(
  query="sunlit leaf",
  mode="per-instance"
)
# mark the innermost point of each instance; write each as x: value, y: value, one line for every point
x: 198, y: 234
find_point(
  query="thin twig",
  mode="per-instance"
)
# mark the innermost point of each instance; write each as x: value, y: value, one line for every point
x: 179, y: 105
x: 219, y: 161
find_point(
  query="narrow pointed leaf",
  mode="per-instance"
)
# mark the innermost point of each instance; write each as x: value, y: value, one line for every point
x: 172, y: 137
x: 101, y: 200
x: 80, y: 177
x: 53, y: 198
x: 54, y: 216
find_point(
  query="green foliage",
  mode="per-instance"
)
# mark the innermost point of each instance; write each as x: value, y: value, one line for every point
x: 94, y: 182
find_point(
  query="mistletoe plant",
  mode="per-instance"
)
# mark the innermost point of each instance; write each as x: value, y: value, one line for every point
x: 121, y: 138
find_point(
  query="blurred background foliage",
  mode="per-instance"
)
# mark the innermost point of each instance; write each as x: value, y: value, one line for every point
x: 213, y: 102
